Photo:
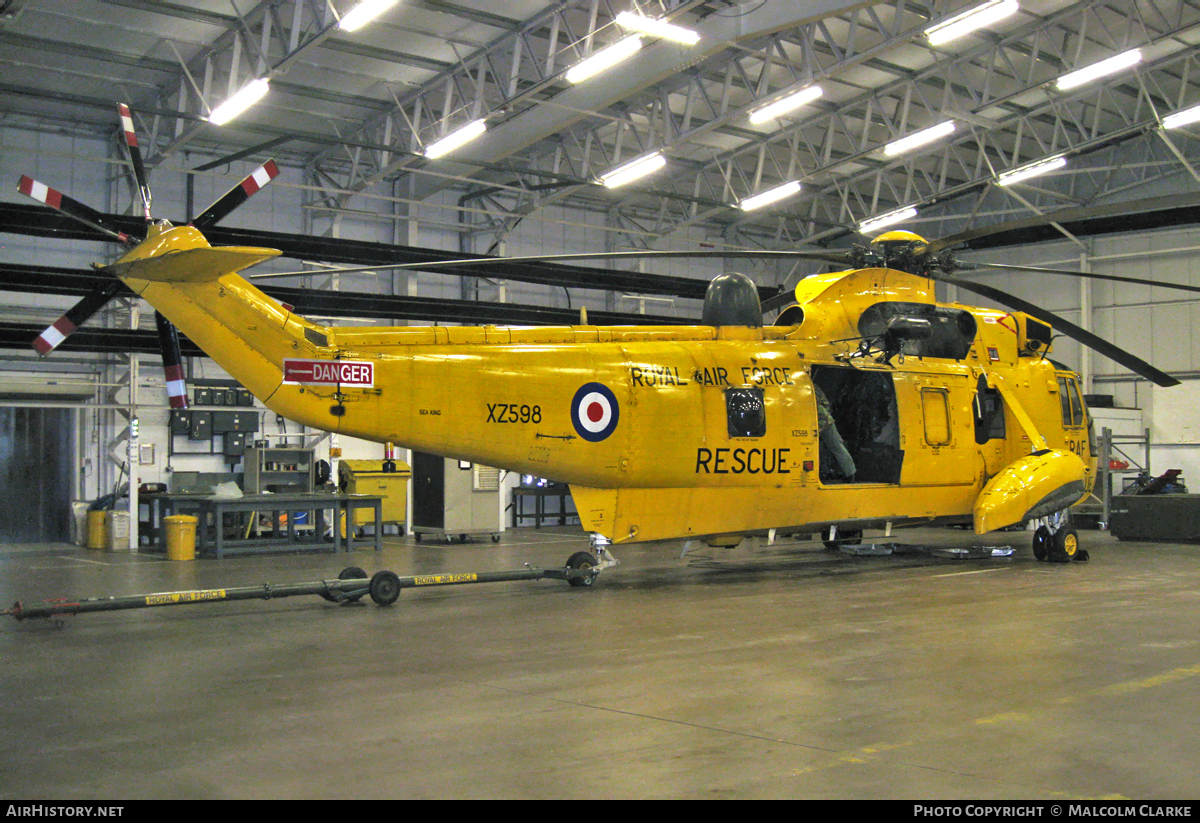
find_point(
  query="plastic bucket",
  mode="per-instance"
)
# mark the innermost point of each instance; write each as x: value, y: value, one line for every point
x: 181, y: 536
x: 97, y: 530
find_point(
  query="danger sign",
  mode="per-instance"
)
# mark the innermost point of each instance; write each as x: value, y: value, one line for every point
x: 329, y: 373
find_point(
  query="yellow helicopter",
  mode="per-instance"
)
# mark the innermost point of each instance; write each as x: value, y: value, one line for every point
x: 867, y: 403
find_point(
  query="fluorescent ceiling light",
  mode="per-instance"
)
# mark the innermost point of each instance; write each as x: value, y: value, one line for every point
x: 1105, y: 67
x: 918, y: 139
x: 770, y: 196
x: 658, y: 28
x: 1030, y: 170
x: 970, y: 20
x: 245, y: 97
x: 455, y: 139
x: 364, y: 13
x: 639, y: 167
x: 785, y: 104
x: 1182, y: 118
x: 888, y: 219
x: 606, y: 58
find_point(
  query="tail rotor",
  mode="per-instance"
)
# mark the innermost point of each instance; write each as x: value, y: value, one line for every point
x: 58, y: 331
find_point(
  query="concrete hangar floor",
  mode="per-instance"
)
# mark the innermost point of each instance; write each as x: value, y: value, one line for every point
x: 782, y: 671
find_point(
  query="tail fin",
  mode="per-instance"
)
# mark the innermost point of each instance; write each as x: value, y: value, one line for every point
x: 196, y: 265
x: 198, y: 289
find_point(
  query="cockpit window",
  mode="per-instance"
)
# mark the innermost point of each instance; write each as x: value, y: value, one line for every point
x: 1070, y: 402
x: 953, y: 330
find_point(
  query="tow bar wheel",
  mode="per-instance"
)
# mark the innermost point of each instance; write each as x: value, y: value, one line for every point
x: 348, y: 573
x: 385, y: 588
x: 582, y: 560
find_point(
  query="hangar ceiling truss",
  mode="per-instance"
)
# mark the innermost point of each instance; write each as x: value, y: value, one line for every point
x: 357, y: 110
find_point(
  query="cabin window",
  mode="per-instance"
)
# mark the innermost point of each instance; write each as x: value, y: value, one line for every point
x: 936, y: 405
x: 746, y: 412
x: 989, y: 413
x: 858, y: 426
x: 1071, y: 403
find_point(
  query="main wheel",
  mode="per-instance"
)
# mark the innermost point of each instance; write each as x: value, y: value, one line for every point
x: 1064, y: 546
x: 385, y: 588
x: 1041, y: 543
x: 845, y: 537
x: 582, y: 560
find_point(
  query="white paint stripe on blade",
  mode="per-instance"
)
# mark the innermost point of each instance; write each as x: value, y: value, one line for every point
x: 261, y: 177
x: 52, y: 336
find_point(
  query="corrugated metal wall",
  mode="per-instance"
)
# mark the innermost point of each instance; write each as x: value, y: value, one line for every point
x: 35, y: 465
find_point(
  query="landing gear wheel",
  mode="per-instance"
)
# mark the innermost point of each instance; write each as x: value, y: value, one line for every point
x: 582, y: 560
x: 1064, y: 547
x: 348, y: 573
x: 385, y: 588
x: 1041, y: 543
x: 845, y: 537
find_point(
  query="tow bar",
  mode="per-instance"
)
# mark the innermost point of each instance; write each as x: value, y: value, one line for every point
x: 352, y: 584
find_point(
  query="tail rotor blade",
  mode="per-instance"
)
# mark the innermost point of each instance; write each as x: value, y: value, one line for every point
x: 168, y: 338
x: 135, y: 156
x: 72, y: 208
x: 76, y: 316
x: 1133, y: 363
x: 239, y: 194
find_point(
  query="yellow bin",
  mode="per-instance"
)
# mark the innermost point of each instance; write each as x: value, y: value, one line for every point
x: 181, y: 536
x: 97, y: 530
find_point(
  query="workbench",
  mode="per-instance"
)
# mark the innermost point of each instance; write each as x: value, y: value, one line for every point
x: 211, y: 513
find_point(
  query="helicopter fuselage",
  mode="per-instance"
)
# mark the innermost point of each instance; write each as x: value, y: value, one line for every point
x: 677, y: 431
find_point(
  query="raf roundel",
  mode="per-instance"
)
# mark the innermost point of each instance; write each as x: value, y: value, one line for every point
x: 594, y: 411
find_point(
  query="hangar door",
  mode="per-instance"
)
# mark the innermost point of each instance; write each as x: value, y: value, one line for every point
x: 35, y: 463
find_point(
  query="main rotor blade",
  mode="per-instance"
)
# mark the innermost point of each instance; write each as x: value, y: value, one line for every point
x: 168, y: 339
x: 1089, y: 275
x: 135, y: 156
x: 72, y: 208
x: 779, y: 301
x: 1067, y: 216
x: 238, y: 195
x: 76, y: 316
x: 827, y: 257
x: 1133, y: 363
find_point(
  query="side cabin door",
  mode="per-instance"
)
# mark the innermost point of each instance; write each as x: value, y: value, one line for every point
x: 858, y: 425
x: 940, y: 447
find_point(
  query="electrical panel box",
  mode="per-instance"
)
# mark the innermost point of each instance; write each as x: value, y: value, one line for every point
x: 181, y: 421
x: 201, y: 396
x: 235, y: 444
x: 231, y: 421
x: 201, y: 427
